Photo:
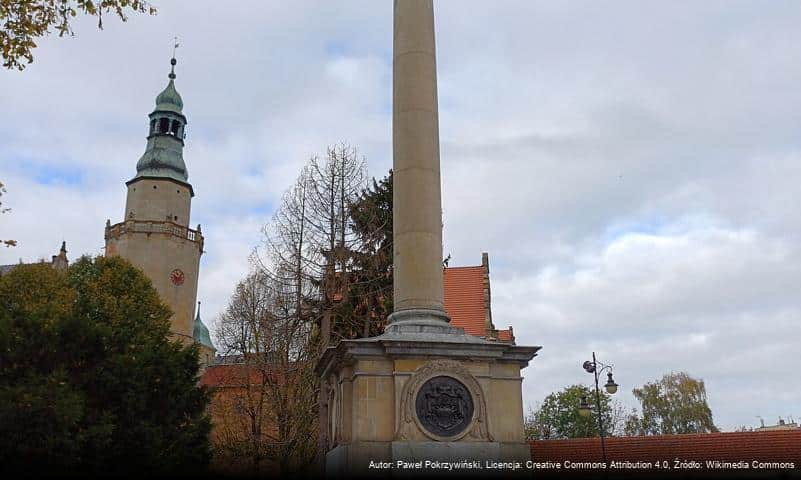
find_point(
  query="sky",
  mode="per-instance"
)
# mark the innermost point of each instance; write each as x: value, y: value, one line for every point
x: 632, y: 168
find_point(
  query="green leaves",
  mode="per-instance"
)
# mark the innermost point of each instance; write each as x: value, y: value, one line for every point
x: 7, y: 243
x: 88, y: 376
x: 23, y: 21
x: 558, y: 416
x: 674, y: 404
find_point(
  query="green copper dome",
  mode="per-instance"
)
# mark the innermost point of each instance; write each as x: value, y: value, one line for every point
x: 169, y: 100
x: 162, y: 160
x: 200, y: 333
x: 163, y: 157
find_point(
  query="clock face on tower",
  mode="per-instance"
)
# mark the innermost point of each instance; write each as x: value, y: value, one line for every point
x: 177, y: 277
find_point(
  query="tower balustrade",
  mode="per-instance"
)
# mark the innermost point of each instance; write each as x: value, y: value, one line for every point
x: 148, y: 226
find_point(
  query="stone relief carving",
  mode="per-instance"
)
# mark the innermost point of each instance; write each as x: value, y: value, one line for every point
x: 444, y: 406
x: 331, y: 394
x: 451, y: 404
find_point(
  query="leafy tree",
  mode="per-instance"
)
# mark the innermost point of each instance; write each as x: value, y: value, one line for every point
x: 558, y: 416
x: 7, y: 243
x: 674, y: 404
x: 24, y: 21
x: 88, y: 377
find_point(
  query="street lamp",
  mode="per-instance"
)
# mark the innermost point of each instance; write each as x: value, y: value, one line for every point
x: 596, y: 368
x: 611, y: 386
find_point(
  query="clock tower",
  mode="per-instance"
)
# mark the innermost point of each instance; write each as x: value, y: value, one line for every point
x: 155, y: 234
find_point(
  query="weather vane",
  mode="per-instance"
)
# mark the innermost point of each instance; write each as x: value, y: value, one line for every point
x: 175, y: 45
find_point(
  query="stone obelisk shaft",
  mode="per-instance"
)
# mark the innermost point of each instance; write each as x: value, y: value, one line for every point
x: 417, y: 211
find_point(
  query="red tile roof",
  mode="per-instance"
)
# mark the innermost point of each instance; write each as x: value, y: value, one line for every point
x: 767, y: 446
x: 464, y: 298
x: 505, y: 335
x: 465, y: 303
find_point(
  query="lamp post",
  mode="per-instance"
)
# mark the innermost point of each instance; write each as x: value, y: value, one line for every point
x: 596, y: 368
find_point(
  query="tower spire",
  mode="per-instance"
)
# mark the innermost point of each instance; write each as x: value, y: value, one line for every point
x: 163, y: 157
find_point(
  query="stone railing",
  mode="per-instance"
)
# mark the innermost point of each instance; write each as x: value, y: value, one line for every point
x: 146, y: 226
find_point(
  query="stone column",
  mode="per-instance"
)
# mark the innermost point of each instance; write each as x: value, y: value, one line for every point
x: 417, y: 211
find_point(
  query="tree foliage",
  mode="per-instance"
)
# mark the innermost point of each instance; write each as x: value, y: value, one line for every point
x: 288, y: 309
x: 7, y: 243
x: 311, y: 243
x: 25, y: 21
x: 674, y: 404
x: 314, y: 280
x: 270, y: 418
x: 89, y: 379
x: 370, y: 300
x: 558, y: 417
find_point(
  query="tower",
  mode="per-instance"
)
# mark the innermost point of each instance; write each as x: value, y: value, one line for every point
x: 154, y: 234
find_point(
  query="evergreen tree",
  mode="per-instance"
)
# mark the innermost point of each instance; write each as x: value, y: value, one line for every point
x: 370, y: 299
x: 89, y: 379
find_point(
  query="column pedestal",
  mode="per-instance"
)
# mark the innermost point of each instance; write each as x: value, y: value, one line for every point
x: 418, y: 397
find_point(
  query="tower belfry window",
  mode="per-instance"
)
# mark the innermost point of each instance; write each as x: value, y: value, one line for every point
x: 152, y: 126
x: 164, y: 125
x: 175, y: 126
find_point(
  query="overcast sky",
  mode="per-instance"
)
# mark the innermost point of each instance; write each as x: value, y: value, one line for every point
x: 632, y: 168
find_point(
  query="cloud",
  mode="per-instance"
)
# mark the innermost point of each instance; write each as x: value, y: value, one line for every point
x: 709, y: 301
x: 631, y: 168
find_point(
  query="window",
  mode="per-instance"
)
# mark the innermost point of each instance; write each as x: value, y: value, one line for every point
x: 164, y: 125
x: 175, y: 125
